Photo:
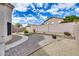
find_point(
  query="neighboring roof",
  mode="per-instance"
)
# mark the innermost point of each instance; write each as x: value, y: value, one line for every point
x: 7, y: 4
x: 51, y: 18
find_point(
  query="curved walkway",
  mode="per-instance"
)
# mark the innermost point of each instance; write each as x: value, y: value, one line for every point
x: 33, y: 43
x: 16, y: 40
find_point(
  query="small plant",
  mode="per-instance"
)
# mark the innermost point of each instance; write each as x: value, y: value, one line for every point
x: 67, y: 34
x: 26, y: 31
x: 43, y: 32
x: 54, y: 36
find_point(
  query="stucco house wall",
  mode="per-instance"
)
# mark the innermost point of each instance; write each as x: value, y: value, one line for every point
x: 53, y: 20
x: 5, y: 16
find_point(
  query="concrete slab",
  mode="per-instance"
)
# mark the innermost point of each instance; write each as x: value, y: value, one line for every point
x: 33, y: 43
x: 16, y: 43
x: 65, y: 47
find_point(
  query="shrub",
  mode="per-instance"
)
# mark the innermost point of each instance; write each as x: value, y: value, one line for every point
x: 34, y: 30
x: 26, y: 31
x: 67, y: 34
x: 44, y: 33
x: 54, y: 36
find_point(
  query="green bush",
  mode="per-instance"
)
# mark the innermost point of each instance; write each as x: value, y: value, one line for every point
x: 54, y: 36
x: 34, y: 30
x: 26, y: 31
x: 67, y: 34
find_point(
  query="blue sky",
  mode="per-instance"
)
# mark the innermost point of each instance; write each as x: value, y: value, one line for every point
x: 37, y: 13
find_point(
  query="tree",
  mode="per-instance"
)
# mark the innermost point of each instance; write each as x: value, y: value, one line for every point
x: 18, y: 25
x: 71, y: 18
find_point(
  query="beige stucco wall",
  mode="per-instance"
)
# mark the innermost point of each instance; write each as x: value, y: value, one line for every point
x: 64, y: 27
x: 5, y: 16
x: 54, y: 28
x: 8, y: 19
x: 76, y: 32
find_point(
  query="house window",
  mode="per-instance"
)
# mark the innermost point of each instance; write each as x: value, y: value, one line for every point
x: 8, y: 28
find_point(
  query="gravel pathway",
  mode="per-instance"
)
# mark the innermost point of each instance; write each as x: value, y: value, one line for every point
x: 33, y: 43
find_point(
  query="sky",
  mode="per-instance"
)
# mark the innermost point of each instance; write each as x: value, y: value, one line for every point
x: 37, y: 13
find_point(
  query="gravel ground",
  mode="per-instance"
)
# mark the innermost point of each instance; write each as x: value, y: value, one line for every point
x: 66, y: 47
x: 58, y: 47
x: 34, y: 42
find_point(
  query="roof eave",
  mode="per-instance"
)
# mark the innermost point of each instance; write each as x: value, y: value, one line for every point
x: 8, y: 4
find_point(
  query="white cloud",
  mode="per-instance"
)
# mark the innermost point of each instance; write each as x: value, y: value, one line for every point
x: 63, y: 5
x: 41, y: 10
x: 77, y: 10
x: 18, y: 20
x: 15, y: 20
x: 28, y: 19
x: 39, y: 4
x: 22, y: 6
x: 32, y: 6
x: 31, y: 18
x: 66, y: 14
x: 43, y: 17
x: 66, y: 5
x: 53, y: 10
x: 45, y: 5
x: 70, y: 5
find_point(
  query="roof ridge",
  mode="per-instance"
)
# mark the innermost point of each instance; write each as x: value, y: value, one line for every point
x: 51, y: 18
